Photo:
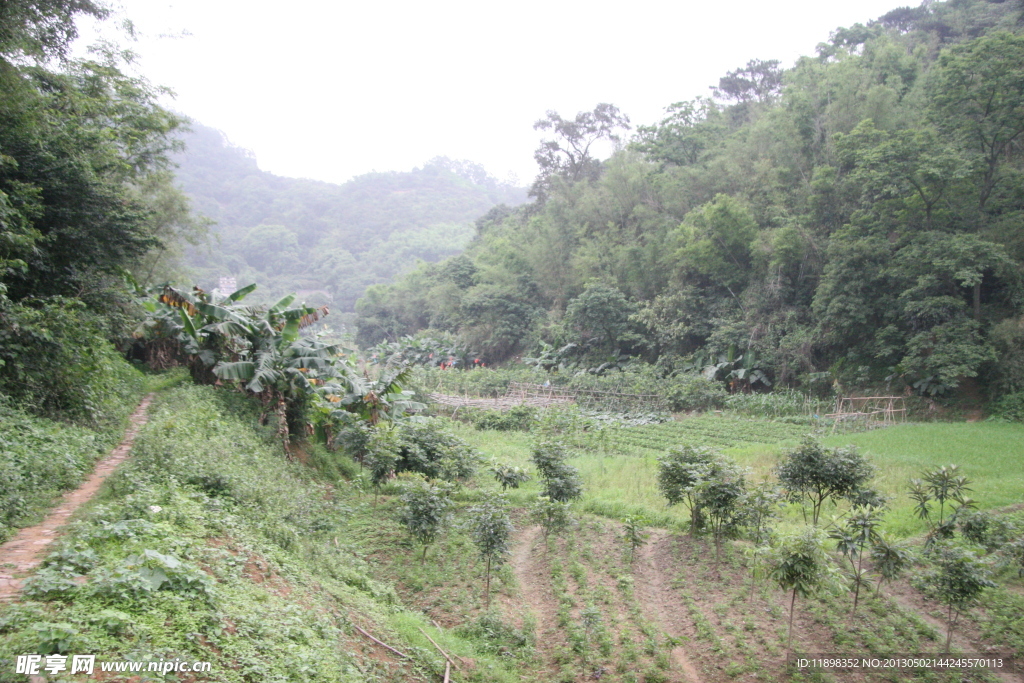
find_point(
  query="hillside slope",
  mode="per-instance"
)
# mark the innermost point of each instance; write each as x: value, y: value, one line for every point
x: 329, y: 241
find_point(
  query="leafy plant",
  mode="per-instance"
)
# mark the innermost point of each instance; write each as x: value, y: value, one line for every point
x: 509, y: 477
x: 958, y: 580
x: 816, y: 474
x: 425, y: 512
x: 680, y: 472
x: 800, y: 565
x: 861, y: 529
x: 633, y: 534
x: 491, y: 529
x: 554, y: 516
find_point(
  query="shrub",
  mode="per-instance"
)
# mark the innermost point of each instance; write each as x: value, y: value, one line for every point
x: 693, y: 392
x: 433, y: 451
x: 56, y: 361
x: 1010, y: 407
x: 515, y: 419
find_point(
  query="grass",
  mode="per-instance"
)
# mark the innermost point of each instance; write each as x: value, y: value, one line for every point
x: 623, y: 480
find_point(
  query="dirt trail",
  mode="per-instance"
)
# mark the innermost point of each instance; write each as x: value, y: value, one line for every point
x: 25, y: 551
x: 654, y: 590
x: 531, y: 573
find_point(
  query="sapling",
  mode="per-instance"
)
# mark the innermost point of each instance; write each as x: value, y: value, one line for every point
x: 890, y: 558
x: 813, y: 474
x: 948, y: 488
x: 509, y: 477
x: 680, y: 470
x: 381, y: 459
x: 799, y: 564
x: 860, y: 530
x: 553, y: 515
x: 491, y: 528
x: 633, y: 533
x: 721, y: 496
x: 958, y: 579
x: 425, y: 512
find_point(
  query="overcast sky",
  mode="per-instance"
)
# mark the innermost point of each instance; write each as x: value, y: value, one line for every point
x: 329, y: 90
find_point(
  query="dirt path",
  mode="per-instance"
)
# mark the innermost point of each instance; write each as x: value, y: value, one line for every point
x: 654, y: 590
x: 25, y: 551
x: 533, y: 579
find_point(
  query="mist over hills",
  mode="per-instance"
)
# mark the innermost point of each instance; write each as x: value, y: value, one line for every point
x: 327, y: 241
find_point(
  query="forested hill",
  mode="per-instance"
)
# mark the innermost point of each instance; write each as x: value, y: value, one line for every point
x: 860, y: 214
x: 328, y: 241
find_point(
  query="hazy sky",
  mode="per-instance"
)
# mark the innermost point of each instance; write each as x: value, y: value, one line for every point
x: 329, y: 90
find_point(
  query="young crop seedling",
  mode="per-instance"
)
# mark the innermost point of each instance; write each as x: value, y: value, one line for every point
x: 860, y: 530
x: 509, y: 477
x: 799, y: 564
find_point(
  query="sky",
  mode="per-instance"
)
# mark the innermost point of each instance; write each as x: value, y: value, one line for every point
x: 329, y: 90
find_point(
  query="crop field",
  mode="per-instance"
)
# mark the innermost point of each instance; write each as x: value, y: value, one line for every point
x: 704, y: 430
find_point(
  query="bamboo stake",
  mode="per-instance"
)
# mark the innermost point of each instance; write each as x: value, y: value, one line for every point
x: 445, y: 654
x: 447, y: 670
x: 400, y: 654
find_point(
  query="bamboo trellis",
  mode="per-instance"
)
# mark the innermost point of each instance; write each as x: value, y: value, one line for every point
x: 869, y: 411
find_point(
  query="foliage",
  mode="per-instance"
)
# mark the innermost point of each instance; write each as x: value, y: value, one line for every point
x: 681, y: 471
x: 554, y: 516
x: 958, y: 580
x: 721, y: 496
x: 852, y: 540
x: 491, y: 529
x: 55, y: 360
x: 516, y: 419
x: 561, y: 480
x: 1010, y: 407
x: 799, y: 565
x: 890, y: 558
x: 509, y: 477
x: 633, y: 534
x: 944, y: 486
x: 432, y: 450
x: 816, y: 474
x: 425, y: 512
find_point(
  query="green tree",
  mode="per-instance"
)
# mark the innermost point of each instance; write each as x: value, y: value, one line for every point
x: 491, y: 528
x: 816, y: 474
x: 425, y: 512
x: 799, y: 565
x: 570, y: 154
x: 861, y: 530
x: 681, y: 471
x: 958, y: 579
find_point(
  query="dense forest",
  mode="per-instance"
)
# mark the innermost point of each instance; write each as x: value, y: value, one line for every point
x: 329, y: 242
x: 854, y: 218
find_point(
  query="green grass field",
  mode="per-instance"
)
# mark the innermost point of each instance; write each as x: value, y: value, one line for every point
x: 619, y: 466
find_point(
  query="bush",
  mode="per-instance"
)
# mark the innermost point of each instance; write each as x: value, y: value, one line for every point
x: 516, y: 419
x: 56, y: 362
x: 1010, y: 407
x: 693, y: 392
x: 430, y: 449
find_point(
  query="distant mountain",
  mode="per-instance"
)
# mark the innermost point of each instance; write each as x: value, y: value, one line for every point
x: 329, y: 242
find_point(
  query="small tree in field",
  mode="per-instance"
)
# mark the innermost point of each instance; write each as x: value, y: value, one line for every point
x: 509, y: 477
x: 815, y: 474
x: 890, y: 558
x: 721, y: 497
x: 553, y: 515
x: 633, y: 533
x: 860, y: 530
x: 958, y: 580
x: 947, y: 487
x: 799, y: 564
x: 680, y: 470
x: 425, y: 513
x: 381, y: 459
x: 491, y: 528
x: 561, y: 480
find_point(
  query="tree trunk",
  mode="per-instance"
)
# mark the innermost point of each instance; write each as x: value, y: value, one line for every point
x: 487, y: 588
x: 977, y: 301
x: 789, y: 638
